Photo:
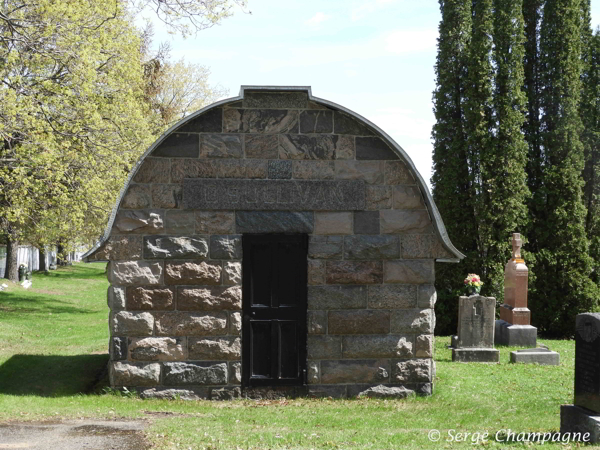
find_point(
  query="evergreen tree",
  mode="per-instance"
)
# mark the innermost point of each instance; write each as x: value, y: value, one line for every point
x: 451, y: 180
x: 562, y: 287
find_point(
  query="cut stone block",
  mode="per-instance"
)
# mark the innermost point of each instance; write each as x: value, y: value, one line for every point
x: 333, y: 223
x: 515, y: 335
x: 135, y: 272
x: 209, y: 298
x: 387, y: 392
x: 182, y: 374
x: 354, y: 272
x: 355, y: 371
x: 475, y: 355
x: 575, y: 419
x: 387, y: 346
x: 134, y: 374
x: 150, y: 298
x: 371, y: 247
x: 359, y: 322
x: 191, y: 324
x: 126, y: 323
x: 157, y: 349
x: 167, y: 247
x: 337, y: 297
x: 193, y: 273
x: 541, y: 356
x: 215, y: 349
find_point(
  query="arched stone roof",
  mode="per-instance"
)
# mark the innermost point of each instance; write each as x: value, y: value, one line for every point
x: 437, y: 221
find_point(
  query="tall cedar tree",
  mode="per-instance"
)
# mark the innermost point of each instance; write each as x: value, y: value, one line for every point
x: 562, y: 287
x: 590, y: 116
x: 503, y: 161
x: 452, y: 179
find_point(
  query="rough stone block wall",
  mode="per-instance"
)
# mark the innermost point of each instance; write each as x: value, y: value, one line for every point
x: 175, y: 274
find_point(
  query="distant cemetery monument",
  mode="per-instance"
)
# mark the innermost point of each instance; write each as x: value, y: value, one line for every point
x: 273, y: 244
x: 514, y: 328
x: 584, y: 415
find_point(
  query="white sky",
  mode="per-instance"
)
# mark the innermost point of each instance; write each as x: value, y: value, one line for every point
x: 375, y: 57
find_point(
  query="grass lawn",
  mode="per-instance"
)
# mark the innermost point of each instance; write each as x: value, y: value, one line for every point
x: 53, y: 340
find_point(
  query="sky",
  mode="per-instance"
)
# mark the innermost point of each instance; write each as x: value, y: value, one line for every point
x: 374, y: 57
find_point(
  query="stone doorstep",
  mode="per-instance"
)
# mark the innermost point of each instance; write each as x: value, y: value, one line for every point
x: 575, y: 419
x: 475, y: 355
x: 540, y: 356
x: 514, y: 335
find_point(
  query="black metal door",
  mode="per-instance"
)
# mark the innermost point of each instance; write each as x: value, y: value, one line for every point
x: 274, y: 271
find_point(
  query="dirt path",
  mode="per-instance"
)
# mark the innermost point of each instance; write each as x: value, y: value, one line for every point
x: 74, y: 435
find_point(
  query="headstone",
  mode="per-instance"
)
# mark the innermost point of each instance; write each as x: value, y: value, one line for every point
x: 539, y: 355
x: 514, y: 327
x: 475, y: 341
x: 584, y: 415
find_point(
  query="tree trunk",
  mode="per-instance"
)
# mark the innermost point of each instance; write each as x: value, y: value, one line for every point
x: 43, y: 267
x: 12, y: 269
x: 60, y: 261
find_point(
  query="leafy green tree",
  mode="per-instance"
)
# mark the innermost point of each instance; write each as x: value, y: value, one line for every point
x: 451, y: 179
x: 562, y: 287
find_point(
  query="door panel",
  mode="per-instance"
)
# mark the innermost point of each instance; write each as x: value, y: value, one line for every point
x: 274, y: 308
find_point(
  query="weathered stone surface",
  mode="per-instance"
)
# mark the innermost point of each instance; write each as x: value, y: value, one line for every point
x: 329, y: 223
x: 324, y: 347
x: 424, y: 346
x: 215, y: 222
x: 371, y: 247
x: 279, y: 100
x: 280, y: 170
x: 475, y: 355
x: 209, y: 298
x: 421, y: 246
x: 268, y: 121
x: 366, y: 222
x: 317, y: 322
x: 476, y: 321
x: 379, y: 197
x: 373, y: 148
x: 316, y: 272
x: 232, y: 273
x: 314, y: 373
x: 221, y: 146
x: 313, y: 170
x: 337, y: 297
x: 344, y: 124
x: 175, y: 394
x: 226, y: 247
x: 359, y: 322
x: 157, y: 349
x: 575, y: 419
x: 139, y: 222
x: 125, y: 323
x: 292, y: 195
x: 215, y: 349
x: 405, y: 221
x: 180, y: 222
x: 327, y: 391
x: 191, y: 324
x: 316, y: 121
x: 125, y: 273
x: 235, y: 323
x: 382, y: 391
x: 135, y: 374
x: 153, y: 170
x: 209, y: 122
x: 302, y: 146
x: 369, y: 171
x: 274, y: 222
x: 427, y: 296
x: 118, y: 348
x: 166, y: 195
x: 416, y: 370
x: 377, y: 346
x: 412, y: 321
x: 193, y: 168
x: 235, y: 373
x: 396, y: 172
x: 255, y: 168
x: 409, y: 272
x: 116, y: 298
x: 226, y: 393
x: 167, y: 247
x: 190, y: 272
x: 150, y: 298
x: 183, y: 374
x: 354, y: 272
x: 408, y: 197
x: 398, y: 296
x: 264, y: 146
x: 344, y: 147
x: 179, y: 145
x: 119, y: 247
x: 325, y: 247
x: 587, y: 361
x: 355, y: 371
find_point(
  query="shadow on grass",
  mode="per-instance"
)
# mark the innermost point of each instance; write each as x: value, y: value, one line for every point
x: 34, y: 302
x: 52, y: 375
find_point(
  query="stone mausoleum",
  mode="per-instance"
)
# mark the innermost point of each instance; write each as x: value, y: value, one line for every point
x: 273, y: 243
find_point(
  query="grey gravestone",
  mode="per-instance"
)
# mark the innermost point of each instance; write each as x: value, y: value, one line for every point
x: 475, y: 343
x: 584, y: 415
x: 539, y: 355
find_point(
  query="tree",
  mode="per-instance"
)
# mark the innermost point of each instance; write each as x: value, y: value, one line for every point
x: 562, y: 287
x: 451, y: 178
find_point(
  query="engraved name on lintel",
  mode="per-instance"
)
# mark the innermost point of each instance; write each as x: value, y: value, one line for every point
x: 296, y: 195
